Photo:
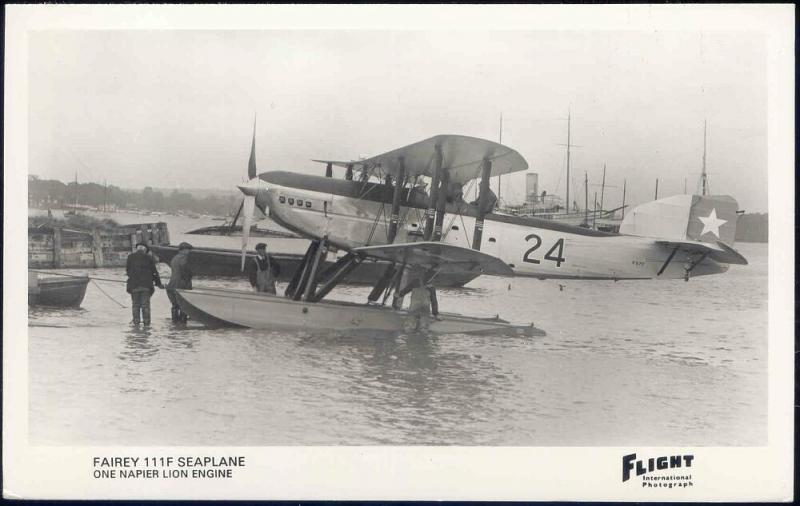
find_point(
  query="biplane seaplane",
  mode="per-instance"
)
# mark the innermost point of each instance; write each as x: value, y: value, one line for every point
x: 414, y: 257
x: 424, y: 233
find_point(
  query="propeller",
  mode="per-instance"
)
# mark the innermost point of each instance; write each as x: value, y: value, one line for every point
x: 248, y: 206
x: 249, y: 201
x: 251, y: 173
x: 251, y: 164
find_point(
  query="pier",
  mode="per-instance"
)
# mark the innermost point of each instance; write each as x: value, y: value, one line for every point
x: 56, y: 247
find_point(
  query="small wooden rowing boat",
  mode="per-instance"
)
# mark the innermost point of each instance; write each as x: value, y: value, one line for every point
x: 56, y: 291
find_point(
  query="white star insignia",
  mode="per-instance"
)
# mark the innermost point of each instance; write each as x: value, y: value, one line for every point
x: 711, y: 223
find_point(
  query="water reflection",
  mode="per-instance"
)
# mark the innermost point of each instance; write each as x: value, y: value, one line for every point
x: 95, y: 379
x: 181, y: 338
x: 413, y: 389
x: 44, y: 316
x: 138, y: 345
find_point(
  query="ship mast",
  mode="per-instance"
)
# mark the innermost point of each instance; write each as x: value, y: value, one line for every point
x: 603, y: 187
x: 704, y: 175
x: 569, y: 145
x: 586, y: 197
x: 569, y: 120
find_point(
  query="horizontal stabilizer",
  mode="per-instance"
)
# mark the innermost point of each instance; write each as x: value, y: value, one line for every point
x: 719, y: 252
x: 445, y: 258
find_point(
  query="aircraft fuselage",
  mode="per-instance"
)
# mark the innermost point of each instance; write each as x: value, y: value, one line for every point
x: 353, y: 214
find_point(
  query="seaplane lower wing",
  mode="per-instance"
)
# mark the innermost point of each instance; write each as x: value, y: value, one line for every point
x: 438, y: 256
x: 719, y: 252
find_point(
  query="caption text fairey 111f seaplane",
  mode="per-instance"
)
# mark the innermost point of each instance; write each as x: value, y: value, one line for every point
x: 422, y: 234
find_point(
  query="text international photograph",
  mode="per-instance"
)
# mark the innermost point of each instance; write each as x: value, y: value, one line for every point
x: 399, y: 252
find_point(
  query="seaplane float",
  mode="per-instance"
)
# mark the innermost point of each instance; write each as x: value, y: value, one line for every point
x: 407, y: 207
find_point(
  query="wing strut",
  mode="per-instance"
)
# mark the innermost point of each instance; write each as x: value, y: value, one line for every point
x: 431, y: 211
x: 399, y: 183
x: 482, y: 202
x: 441, y: 205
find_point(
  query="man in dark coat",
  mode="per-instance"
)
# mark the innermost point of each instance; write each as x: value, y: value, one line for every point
x: 142, y: 275
x: 263, y: 270
x: 181, y: 277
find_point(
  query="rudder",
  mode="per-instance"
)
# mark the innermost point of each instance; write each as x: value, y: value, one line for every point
x: 713, y: 219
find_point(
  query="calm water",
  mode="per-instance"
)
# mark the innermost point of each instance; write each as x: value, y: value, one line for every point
x: 644, y: 363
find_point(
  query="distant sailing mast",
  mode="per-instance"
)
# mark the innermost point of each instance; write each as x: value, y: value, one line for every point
x: 568, y: 145
x: 704, y: 174
x: 586, y: 198
x: 603, y: 188
x: 569, y: 121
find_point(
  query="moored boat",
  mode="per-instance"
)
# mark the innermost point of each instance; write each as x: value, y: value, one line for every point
x: 56, y: 291
x: 227, y: 262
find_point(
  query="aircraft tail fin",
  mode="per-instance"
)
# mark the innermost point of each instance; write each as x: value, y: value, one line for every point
x: 708, y: 219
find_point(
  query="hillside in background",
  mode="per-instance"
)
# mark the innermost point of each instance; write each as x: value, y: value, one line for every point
x: 54, y: 194
x: 753, y: 227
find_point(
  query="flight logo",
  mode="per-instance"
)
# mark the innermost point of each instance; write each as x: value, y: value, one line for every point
x: 667, y: 471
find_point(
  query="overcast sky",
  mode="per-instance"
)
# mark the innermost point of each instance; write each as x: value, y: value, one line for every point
x: 175, y: 108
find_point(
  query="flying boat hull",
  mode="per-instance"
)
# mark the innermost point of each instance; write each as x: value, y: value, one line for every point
x: 223, y: 307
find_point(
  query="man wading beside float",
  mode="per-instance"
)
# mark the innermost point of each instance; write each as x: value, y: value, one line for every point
x: 181, y: 278
x: 142, y: 275
x: 263, y: 271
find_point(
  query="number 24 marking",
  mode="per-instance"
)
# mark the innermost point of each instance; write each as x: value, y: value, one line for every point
x: 559, y: 255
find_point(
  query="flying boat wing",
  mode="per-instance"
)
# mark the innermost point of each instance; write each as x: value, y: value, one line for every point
x: 446, y: 258
x: 462, y: 155
x: 719, y: 252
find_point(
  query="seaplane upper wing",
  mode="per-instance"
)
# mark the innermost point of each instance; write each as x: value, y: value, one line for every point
x: 439, y: 256
x: 719, y: 252
x: 463, y: 156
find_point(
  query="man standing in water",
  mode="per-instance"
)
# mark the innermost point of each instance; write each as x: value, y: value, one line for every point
x: 142, y: 275
x: 181, y: 278
x: 263, y: 271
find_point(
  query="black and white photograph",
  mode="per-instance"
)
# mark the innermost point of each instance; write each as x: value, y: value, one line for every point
x: 416, y: 239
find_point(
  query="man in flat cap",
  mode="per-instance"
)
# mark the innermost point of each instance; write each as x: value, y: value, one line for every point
x: 142, y: 275
x: 263, y: 270
x: 181, y: 278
